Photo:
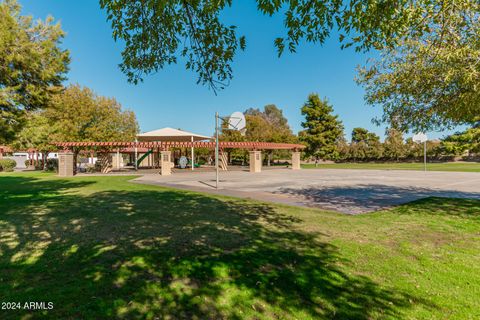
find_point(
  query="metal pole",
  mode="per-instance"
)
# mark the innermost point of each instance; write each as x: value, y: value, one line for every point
x: 216, y: 150
x: 136, y: 155
x: 193, y: 162
x: 425, y: 155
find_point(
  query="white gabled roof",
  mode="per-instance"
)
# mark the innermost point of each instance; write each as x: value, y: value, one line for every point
x: 170, y: 134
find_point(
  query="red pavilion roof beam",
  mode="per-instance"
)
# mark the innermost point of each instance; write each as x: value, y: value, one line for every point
x: 176, y: 144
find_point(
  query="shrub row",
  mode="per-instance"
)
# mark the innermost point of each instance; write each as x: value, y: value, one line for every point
x: 7, y: 165
x: 52, y: 164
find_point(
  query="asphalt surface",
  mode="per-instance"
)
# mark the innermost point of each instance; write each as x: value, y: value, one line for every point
x: 347, y: 191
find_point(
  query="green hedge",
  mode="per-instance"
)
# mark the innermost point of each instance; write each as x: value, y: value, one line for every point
x: 7, y: 165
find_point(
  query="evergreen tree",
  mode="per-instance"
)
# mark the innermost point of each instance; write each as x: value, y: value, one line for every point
x: 322, y: 128
x: 358, y: 146
x: 374, y: 147
x: 394, y: 146
x: 359, y: 135
x: 365, y: 145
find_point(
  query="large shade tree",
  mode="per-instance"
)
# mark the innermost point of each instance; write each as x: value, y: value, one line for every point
x: 76, y: 114
x: 32, y: 66
x: 269, y: 125
x: 432, y: 80
x: 79, y: 114
x: 157, y: 33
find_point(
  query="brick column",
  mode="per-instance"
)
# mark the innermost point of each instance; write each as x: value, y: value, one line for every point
x: 166, y: 163
x: 295, y: 160
x: 117, y: 161
x: 65, y: 164
x: 255, y: 161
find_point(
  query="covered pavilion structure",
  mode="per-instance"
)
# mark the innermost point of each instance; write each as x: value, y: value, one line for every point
x: 66, y: 159
x: 171, y: 135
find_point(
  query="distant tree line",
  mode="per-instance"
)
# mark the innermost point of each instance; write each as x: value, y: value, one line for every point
x: 325, y: 140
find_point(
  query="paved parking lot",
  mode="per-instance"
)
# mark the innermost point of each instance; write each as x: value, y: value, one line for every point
x: 347, y: 191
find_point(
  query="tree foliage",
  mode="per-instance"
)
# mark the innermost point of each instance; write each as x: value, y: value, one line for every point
x: 157, y: 32
x: 78, y: 114
x: 322, y: 128
x: 394, y: 144
x: 36, y: 134
x: 32, y: 66
x: 365, y: 145
x: 431, y: 80
x: 462, y: 142
x: 269, y: 125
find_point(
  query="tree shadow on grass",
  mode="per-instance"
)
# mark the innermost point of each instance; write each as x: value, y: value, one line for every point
x: 444, y: 207
x: 367, y: 198
x: 173, y: 254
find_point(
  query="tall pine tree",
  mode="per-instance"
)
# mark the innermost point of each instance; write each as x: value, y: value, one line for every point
x: 322, y: 129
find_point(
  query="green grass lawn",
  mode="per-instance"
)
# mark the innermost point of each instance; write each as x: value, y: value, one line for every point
x: 102, y: 247
x: 448, y: 166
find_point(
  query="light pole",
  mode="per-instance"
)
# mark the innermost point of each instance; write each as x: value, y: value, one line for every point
x: 419, y: 138
x: 425, y: 156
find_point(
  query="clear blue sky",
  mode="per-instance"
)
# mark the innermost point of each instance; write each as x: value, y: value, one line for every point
x: 172, y: 97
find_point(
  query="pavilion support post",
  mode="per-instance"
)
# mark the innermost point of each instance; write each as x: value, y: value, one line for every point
x: 116, y: 160
x: 65, y: 164
x: 295, y: 160
x: 136, y: 155
x: 166, y: 163
x: 255, y: 161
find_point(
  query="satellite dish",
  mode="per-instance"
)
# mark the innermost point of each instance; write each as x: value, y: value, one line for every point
x: 420, y: 137
x: 237, y: 121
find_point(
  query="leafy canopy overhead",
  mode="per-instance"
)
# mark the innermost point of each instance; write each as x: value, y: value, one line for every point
x: 431, y: 81
x: 461, y: 142
x: 32, y: 66
x: 157, y: 32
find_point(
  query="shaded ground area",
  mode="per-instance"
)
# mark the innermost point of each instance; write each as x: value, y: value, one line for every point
x: 418, y: 166
x: 346, y: 191
x: 102, y: 247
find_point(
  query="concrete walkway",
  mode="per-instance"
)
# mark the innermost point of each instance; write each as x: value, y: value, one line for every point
x: 347, y: 191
